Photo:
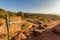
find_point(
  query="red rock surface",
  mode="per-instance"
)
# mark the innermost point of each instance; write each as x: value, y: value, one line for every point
x: 47, y: 35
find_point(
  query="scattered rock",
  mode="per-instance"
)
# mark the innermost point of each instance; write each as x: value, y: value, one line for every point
x: 57, y: 31
x: 19, y: 36
x: 2, y: 35
x: 35, y: 33
x: 0, y: 23
x: 45, y: 25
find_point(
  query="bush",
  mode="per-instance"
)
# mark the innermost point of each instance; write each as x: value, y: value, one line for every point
x: 2, y: 16
x: 11, y: 13
x: 25, y: 26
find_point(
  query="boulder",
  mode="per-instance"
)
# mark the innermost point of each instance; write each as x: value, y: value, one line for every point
x: 57, y: 31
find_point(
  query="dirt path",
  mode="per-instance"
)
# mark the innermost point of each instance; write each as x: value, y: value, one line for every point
x: 48, y: 34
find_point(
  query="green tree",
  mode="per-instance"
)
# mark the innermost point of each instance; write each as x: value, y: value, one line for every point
x: 11, y: 13
x: 2, y: 12
x: 20, y: 14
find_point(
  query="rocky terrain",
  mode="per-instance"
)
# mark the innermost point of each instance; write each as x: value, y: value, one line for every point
x: 36, y: 30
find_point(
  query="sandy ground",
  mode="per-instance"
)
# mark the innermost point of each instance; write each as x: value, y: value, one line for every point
x: 46, y: 34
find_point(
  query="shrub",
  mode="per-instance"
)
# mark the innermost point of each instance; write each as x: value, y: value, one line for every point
x: 25, y: 26
x: 2, y: 16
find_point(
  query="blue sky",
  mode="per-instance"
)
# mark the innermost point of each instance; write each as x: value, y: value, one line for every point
x: 36, y: 6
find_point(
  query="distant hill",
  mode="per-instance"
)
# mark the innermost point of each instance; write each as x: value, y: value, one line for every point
x: 40, y: 16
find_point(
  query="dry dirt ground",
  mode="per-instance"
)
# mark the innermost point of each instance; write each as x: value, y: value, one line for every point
x: 46, y: 34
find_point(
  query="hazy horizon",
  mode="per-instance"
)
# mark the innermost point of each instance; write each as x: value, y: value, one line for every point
x: 32, y: 6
